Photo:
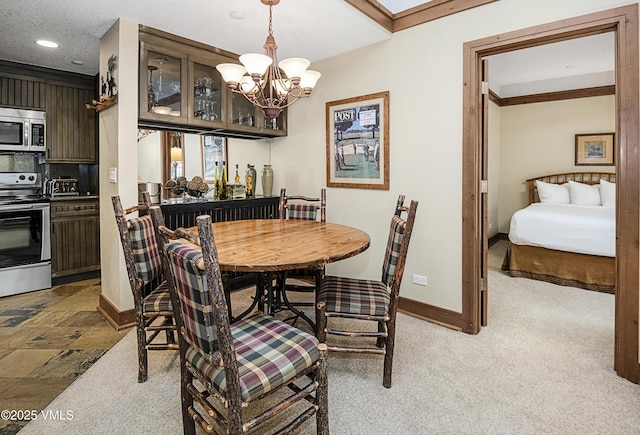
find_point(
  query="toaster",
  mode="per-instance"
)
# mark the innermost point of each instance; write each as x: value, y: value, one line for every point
x: 64, y: 187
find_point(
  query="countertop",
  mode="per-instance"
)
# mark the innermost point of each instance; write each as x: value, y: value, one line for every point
x: 207, y: 199
x: 73, y: 198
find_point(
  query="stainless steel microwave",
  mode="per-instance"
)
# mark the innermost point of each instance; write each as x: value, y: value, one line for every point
x: 22, y: 130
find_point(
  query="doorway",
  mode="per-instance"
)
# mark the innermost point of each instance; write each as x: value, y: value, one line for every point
x: 624, y: 23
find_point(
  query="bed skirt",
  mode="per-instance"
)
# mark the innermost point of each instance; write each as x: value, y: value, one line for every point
x: 588, y: 272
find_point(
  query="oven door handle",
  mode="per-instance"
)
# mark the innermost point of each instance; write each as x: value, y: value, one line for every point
x: 16, y: 207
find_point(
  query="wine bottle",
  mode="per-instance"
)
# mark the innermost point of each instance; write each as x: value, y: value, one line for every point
x: 216, y: 183
x: 223, y: 181
x: 237, y: 179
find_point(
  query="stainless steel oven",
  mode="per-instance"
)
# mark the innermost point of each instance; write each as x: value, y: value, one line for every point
x: 25, y: 243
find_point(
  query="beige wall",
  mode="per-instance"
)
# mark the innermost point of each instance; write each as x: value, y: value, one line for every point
x: 150, y: 158
x: 539, y: 139
x: 118, y: 133
x: 425, y: 137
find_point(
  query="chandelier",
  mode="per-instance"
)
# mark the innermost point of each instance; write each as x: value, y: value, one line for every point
x: 263, y: 81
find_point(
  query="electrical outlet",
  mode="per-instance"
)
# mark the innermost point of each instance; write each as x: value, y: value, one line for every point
x: 419, y: 279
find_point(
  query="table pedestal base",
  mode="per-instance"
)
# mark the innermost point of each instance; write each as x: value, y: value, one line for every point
x: 272, y: 299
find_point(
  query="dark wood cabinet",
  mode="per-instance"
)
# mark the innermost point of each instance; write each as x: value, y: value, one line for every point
x: 71, y: 128
x: 180, y: 76
x: 22, y: 92
x: 75, y: 237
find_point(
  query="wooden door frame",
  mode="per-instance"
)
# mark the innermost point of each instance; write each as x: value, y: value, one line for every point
x: 166, y: 142
x: 624, y: 22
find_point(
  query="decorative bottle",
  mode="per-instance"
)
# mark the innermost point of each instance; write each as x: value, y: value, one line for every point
x: 267, y: 180
x: 250, y: 181
x: 223, y: 181
x: 216, y: 184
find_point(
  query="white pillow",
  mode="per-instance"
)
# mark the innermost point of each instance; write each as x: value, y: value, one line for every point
x: 584, y: 194
x: 608, y: 193
x: 553, y: 193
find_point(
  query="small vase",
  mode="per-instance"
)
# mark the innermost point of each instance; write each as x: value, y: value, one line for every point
x: 267, y: 180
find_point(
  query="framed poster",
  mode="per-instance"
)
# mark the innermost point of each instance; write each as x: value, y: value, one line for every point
x: 214, y: 151
x: 358, y: 142
x: 595, y: 149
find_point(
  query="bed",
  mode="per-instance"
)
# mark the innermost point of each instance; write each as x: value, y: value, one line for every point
x: 566, y: 235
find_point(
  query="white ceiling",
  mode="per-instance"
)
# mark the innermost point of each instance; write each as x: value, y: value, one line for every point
x: 579, y: 63
x: 395, y: 6
x: 300, y: 27
x: 314, y: 29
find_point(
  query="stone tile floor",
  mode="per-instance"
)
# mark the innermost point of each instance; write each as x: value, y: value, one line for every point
x: 47, y: 339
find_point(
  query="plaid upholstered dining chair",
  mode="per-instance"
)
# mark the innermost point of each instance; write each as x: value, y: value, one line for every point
x: 371, y: 300
x: 303, y: 207
x: 151, y: 298
x: 225, y: 367
x: 297, y: 207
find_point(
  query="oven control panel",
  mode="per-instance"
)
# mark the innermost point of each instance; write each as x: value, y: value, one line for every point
x: 19, y: 178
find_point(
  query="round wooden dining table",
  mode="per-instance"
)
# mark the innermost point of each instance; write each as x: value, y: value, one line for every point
x: 263, y: 245
x: 268, y: 246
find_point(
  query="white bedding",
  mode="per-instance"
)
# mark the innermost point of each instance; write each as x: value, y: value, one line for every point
x: 566, y: 227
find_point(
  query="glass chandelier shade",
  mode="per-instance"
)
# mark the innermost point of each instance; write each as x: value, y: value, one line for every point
x: 263, y: 81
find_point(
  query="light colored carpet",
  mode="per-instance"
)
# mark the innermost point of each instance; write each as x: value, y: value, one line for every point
x: 543, y: 365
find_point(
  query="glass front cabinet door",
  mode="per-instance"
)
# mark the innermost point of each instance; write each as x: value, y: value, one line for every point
x: 244, y: 116
x: 276, y: 126
x: 163, y: 78
x: 209, y: 92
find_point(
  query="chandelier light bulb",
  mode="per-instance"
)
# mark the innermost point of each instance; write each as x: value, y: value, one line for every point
x: 309, y: 80
x: 256, y: 64
x: 294, y: 67
x: 283, y: 87
x: 231, y: 73
x: 247, y: 85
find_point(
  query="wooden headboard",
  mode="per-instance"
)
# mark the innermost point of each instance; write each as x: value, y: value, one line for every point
x: 580, y: 177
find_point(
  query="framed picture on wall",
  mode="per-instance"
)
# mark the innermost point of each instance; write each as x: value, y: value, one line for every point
x: 595, y: 149
x: 358, y: 142
x: 214, y: 152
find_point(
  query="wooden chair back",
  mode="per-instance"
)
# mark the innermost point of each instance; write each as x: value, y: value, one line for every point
x: 164, y: 235
x: 303, y: 207
x: 139, y: 245
x: 395, y: 255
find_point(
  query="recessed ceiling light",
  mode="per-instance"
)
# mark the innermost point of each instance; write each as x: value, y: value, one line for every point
x: 48, y: 44
x: 77, y: 62
x: 237, y: 15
